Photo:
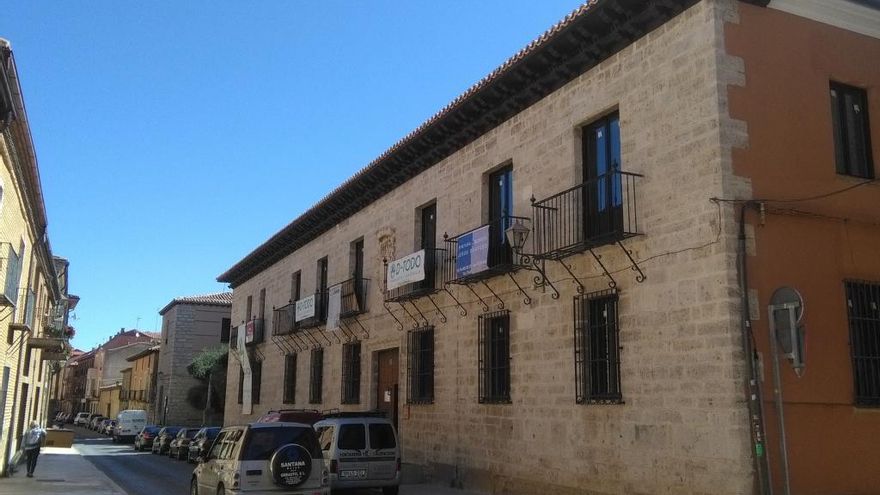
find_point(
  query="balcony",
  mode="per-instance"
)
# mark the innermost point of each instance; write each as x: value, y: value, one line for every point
x: 483, y: 252
x: 436, y: 273
x: 254, y: 332
x: 598, y: 212
x: 284, y: 320
x: 354, y: 297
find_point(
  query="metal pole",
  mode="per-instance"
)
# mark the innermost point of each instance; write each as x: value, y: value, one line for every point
x: 777, y: 391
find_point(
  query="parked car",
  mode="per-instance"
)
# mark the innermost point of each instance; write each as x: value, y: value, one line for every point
x: 179, y: 446
x: 144, y: 439
x: 129, y: 423
x: 307, y: 416
x: 163, y: 439
x: 361, y: 451
x: 201, y: 443
x: 93, y: 423
x: 263, y: 458
x: 82, y: 418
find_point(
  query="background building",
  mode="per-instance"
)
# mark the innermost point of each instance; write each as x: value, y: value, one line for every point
x: 189, y: 325
x: 139, y: 389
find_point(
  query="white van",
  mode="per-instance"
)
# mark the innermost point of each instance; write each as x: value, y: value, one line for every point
x: 128, y: 424
x: 361, y: 451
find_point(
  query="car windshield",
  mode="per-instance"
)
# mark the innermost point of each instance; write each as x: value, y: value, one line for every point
x: 191, y: 433
x: 262, y: 442
x: 212, y: 432
x: 172, y: 431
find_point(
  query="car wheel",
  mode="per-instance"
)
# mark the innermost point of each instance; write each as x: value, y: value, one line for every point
x: 194, y: 487
x: 390, y: 490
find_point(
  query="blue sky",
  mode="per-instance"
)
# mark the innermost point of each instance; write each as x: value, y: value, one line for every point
x: 174, y: 137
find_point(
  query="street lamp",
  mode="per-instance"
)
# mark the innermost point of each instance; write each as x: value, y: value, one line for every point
x: 517, y: 234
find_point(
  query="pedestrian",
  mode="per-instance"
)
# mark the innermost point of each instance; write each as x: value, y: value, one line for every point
x: 33, y: 440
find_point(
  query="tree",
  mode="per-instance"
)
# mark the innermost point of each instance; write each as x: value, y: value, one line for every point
x: 209, y: 366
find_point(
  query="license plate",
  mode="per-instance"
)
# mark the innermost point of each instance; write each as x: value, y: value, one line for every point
x: 348, y: 474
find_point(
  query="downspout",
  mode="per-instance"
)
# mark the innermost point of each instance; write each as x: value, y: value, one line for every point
x: 754, y: 392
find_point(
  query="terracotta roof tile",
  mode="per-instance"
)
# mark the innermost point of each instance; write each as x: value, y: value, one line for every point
x: 212, y: 299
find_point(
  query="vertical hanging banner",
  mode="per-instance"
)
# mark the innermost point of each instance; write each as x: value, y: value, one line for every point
x: 473, y: 252
x: 334, y: 306
x: 246, y: 382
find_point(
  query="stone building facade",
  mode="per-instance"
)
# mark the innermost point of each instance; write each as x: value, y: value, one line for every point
x: 607, y: 355
x: 139, y: 382
x: 189, y: 325
x: 31, y: 299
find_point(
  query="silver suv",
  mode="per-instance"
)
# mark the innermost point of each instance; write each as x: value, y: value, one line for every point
x: 263, y: 458
x: 361, y: 451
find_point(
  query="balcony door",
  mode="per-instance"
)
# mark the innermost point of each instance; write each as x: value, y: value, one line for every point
x: 358, y: 274
x: 603, y: 194
x: 429, y: 242
x: 500, y: 211
x: 322, y: 289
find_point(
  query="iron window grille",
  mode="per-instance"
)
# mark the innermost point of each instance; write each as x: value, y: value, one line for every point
x: 351, y: 373
x: 420, y: 366
x: 852, y: 136
x: 597, y: 348
x: 316, y: 377
x: 494, y: 357
x: 863, y: 311
x: 289, y: 379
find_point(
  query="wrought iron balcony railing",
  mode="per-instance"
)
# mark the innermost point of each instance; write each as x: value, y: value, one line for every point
x: 597, y: 212
x: 436, y: 274
x: 284, y: 320
x: 483, y: 252
x: 354, y: 297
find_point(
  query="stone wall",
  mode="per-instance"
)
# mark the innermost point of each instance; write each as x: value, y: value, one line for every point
x: 683, y: 425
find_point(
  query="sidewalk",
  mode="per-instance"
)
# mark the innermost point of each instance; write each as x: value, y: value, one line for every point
x: 60, y: 471
x: 66, y: 472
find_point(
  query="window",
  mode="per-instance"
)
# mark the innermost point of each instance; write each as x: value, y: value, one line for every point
x: 316, y: 377
x: 240, y: 385
x: 428, y: 242
x: 225, y: 323
x: 500, y: 212
x: 382, y: 436
x: 262, y: 307
x: 863, y: 311
x: 352, y: 437
x: 27, y: 361
x: 603, y: 191
x: 295, y: 286
x: 351, y: 373
x: 321, y: 279
x: 494, y: 357
x: 420, y: 366
x: 325, y: 436
x: 249, y: 309
x: 597, y: 351
x: 290, y: 379
x: 852, y: 137
x: 257, y: 381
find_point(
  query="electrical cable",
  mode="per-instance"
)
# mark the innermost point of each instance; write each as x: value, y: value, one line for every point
x: 797, y: 200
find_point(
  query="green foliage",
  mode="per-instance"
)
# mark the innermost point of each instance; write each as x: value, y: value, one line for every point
x: 208, y: 361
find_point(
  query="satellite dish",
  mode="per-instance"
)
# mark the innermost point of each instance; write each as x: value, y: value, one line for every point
x: 788, y: 296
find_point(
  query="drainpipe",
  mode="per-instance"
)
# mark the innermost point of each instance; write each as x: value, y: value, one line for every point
x: 754, y: 392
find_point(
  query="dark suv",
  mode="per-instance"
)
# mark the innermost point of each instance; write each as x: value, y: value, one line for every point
x: 263, y: 458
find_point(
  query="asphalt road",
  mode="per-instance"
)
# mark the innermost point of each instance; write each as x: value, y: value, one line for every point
x: 138, y: 473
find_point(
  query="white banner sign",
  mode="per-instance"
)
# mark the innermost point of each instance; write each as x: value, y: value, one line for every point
x: 246, y: 382
x: 334, y: 306
x: 406, y: 270
x: 305, y: 308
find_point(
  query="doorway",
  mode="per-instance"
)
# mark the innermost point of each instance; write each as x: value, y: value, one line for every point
x: 387, y: 382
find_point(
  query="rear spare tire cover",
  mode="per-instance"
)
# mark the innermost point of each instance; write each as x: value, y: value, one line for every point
x: 290, y: 465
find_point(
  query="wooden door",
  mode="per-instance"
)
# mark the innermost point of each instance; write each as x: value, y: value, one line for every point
x: 387, y: 383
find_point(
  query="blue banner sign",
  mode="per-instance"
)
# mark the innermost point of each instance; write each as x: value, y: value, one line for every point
x: 473, y: 252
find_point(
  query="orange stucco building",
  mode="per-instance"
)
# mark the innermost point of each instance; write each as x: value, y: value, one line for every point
x: 813, y: 226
